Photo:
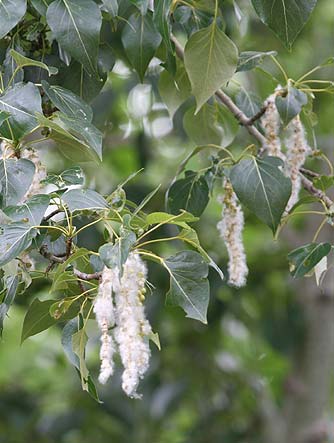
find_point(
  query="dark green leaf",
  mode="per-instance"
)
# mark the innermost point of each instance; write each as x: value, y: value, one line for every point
x: 140, y: 40
x: 22, y: 101
x: 76, y: 26
x: 290, y: 104
x: 161, y: 19
x: 189, y: 287
x: 305, y: 258
x: 14, y: 239
x: 68, y: 103
x: 210, y: 59
x: 22, y: 61
x: 80, y: 199
x: 285, y: 18
x: 251, y: 59
x: 10, y: 14
x: 11, y: 284
x: 262, y: 187
x: 15, y: 179
x: 37, y: 318
x: 41, y: 5
x: 190, y: 193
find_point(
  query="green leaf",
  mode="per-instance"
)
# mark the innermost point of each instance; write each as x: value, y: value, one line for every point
x: 37, y: 318
x: 11, y: 284
x: 285, y: 18
x: 163, y: 217
x: 76, y: 26
x: 262, y: 187
x: 140, y: 40
x: 213, y: 124
x: 189, y: 287
x: 17, y: 236
x: 249, y: 60
x: 14, y: 239
x: 174, y: 90
x: 81, y: 199
x: 190, y: 193
x: 71, y: 328
x: 248, y: 102
x: 4, y: 116
x: 10, y: 14
x: 31, y: 212
x: 189, y: 236
x: 22, y: 101
x: 115, y: 255
x: 16, y: 176
x: 323, y: 182
x: 71, y: 176
x: 41, y: 6
x: 161, y: 18
x: 291, y: 104
x: 61, y: 277
x: 210, y: 59
x: 142, y: 5
x: 67, y: 102
x: 110, y: 6
x: 22, y: 61
x: 305, y: 258
x: 73, y: 146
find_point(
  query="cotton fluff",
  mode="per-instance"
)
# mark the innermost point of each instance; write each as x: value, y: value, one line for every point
x: 133, y: 329
x: 271, y: 125
x: 104, y: 313
x: 297, y: 151
x: 40, y: 172
x: 230, y: 228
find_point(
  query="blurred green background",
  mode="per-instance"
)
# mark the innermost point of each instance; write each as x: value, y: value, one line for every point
x: 208, y: 383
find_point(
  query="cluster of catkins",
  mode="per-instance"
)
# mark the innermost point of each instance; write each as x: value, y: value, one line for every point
x: 231, y: 225
x: 295, y: 142
x: 120, y: 315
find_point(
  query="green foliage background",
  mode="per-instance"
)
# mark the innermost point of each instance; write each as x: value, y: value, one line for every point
x: 205, y: 384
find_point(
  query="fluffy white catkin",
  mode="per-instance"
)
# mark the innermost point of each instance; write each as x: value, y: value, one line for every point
x: 132, y: 330
x: 40, y: 172
x: 297, y: 151
x: 271, y: 125
x: 104, y: 314
x: 230, y: 228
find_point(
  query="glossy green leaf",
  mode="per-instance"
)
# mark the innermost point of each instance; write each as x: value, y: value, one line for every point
x: 22, y: 101
x: 285, y: 18
x: 262, y: 187
x: 80, y: 199
x: 71, y: 176
x: 22, y: 61
x: 249, y: 60
x: 210, y: 59
x: 16, y: 176
x: 291, y: 104
x: 67, y: 102
x: 304, y: 259
x: 11, y: 13
x: 74, y: 146
x: 189, y: 287
x: 140, y: 40
x: 190, y: 193
x: 76, y: 26
x: 31, y: 212
x: 37, y: 318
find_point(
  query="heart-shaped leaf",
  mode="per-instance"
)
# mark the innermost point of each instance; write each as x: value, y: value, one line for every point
x: 304, y: 259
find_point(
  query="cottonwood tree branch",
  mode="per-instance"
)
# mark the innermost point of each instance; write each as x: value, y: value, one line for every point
x: 248, y: 124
